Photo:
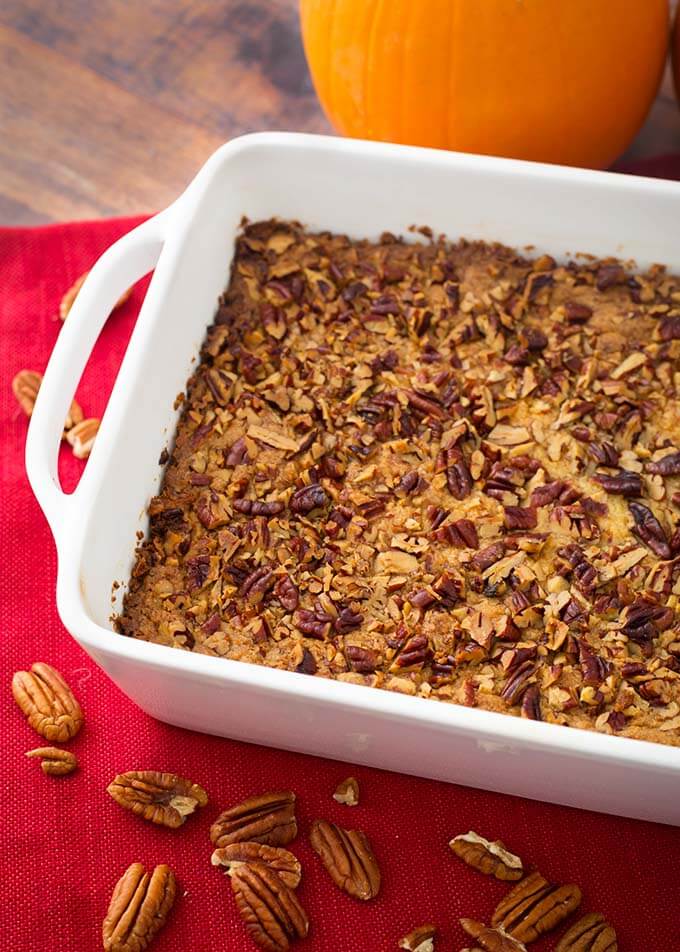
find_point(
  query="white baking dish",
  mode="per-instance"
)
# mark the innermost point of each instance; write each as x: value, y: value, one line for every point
x: 363, y: 189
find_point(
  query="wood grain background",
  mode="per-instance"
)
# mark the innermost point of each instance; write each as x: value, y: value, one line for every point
x: 110, y: 106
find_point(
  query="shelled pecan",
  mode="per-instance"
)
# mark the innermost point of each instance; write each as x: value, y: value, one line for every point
x: 270, y: 910
x: 592, y: 933
x: 420, y: 939
x: 489, y: 857
x: 492, y: 939
x: 47, y: 702
x: 268, y: 818
x: 280, y: 861
x: 139, y: 908
x: 348, y: 857
x: 347, y: 792
x: 535, y: 906
x: 162, y: 798
x: 54, y: 761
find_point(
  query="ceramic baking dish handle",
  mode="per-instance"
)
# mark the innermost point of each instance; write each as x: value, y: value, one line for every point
x: 133, y: 256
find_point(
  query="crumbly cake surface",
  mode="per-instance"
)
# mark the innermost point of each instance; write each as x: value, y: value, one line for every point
x: 440, y: 469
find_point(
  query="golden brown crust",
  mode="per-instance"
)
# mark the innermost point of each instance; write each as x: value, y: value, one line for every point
x: 440, y: 469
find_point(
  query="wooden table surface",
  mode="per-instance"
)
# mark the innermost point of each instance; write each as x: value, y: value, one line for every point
x: 109, y: 107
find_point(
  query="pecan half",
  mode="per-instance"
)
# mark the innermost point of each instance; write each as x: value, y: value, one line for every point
x: 592, y: 933
x: 348, y: 857
x: 534, y: 907
x: 493, y: 940
x: 67, y: 300
x: 81, y: 437
x: 47, y: 702
x: 281, y: 861
x: 269, y: 908
x: 489, y: 857
x: 162, y: 798
x: 420, y: 939
x: 138, y: 909
x: 268, y: 818
x: 347, y: 792
x: 25, y: 387
x: 54, y: 761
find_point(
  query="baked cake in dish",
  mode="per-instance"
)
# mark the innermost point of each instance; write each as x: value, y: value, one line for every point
x: 444, y: 469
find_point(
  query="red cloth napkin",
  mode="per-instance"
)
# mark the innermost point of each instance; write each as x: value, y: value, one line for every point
x: 65, y: 841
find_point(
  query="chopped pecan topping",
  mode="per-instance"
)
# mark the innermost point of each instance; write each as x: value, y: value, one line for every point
x: 535, y: 906
x: 435, y: 468
x: 268, y: 818
x: 489, y: 857
x: 347, y: 792
x: 420, y: 939
x: 649, y: 530
x: 255, y: 507
x: 314, y: 624
x: 576, y: 313
x: 162, y: 798
x: 287, y: 593
x: 488, y: 556
x: 518, y: 518
x: 307, y: 665
x: 348, y: 857
x: 592, y: 933
x: 462, y: 533
x: 47, y: 702
x: 531, y: 703
x: 280, y: 861
x: 54, y: 761
x: 666, y: 466
x: 669, y: 328
x: 305, y: 500
x: 458, y: 476
x: 270, y: 909
x: 363, y: 660
x: 624, y: 483
x: 139, y: 907
x: 609, y: 275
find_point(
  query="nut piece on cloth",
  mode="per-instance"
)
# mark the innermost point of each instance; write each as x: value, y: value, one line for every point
x: 47, y: 702
x: 347, y: 792
x: 592, y: 933
x: 268, y: 818
x: 420, y: 939
x: 493, y: 940
x: 280, y: 861
x: 138, y: 909
x: 162, y: 798
x: 270, y: 909
x: 25, y: 387
x: 535, y: 906
x: 491, y: 858
x: 348, y: 857
x: 81, y: 437
x: 55, y: 762
x: 66, y: 302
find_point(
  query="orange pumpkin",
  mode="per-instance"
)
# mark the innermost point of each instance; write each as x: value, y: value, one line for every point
x: 567, y: 81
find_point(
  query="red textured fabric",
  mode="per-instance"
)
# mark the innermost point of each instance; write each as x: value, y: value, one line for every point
x: 65, y: 842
